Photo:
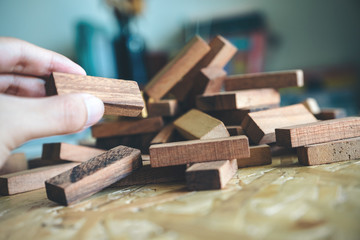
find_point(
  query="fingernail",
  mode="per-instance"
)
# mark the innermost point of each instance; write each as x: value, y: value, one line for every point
x: 95, y: 109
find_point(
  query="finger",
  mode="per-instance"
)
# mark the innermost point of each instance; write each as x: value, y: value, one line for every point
x: 19, y: 85
x: 18, y: 56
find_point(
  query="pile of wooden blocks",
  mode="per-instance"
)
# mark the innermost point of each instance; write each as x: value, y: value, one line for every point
x: 198, y: 125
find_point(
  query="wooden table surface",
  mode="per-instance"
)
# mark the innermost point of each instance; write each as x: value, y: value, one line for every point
x: 280, y: 201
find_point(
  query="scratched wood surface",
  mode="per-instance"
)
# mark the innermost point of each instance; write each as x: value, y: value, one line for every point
x: 279, y: 201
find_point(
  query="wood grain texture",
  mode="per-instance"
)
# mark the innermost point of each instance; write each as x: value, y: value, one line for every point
x: 235, y: 130
x: 260, y: 126
x: 177, y: 68
x: 210, y: 175
x: 331, y: 113
x: 93, y: 175
x: 283, y: 79
x: 312, y: 105
x: 164, y: 108
x: 193, y: 151
x: 68, y: 152
x: 318, y: 132
x: 238, y: 99
x: 29, y: 180
x: 330, y: 152
x: 259, y: 155
x: 127, y: 127
x: 120, y: 97
x: 219, y: 55
x: 167, y: 134
x: 14, y: 163
x: 198, y: 125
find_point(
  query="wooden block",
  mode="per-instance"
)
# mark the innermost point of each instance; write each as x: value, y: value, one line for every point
x: 167, y: 134
x: 283, y: 79
x: 177, y: 68
x: 29, y: 180
x: 14, y: 163
x: 318, y: 132
x: 164, y: 108
x: 238, y: 99
x: 193, y: 151
x: 259, y: 155
x: 312, y: 105
x: 235, y: 130
x: 120, y: 97
x: 93, y: 175
x: 38, y: 162
x: 210, y: 175
x: 127, y: 127
x: 330, y: 152
x: 260, y: 126
x: 331, y: 113
x: 219, y: 55
x: 198, y: 125
x: 68, y: 152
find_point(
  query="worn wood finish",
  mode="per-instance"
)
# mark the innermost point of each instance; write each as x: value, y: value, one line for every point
x: 177, y: 68
x: 93, y: 175
x: 312, y: 105
x: 330, y: 152
x: 260, y: 126
x: 164, y: 108
x: 198, y: 125
x: 283, y: 79
x: 29, y: 180
x: 193, y: 151
x: 211, y: 175
x: 14, y: 163
x: 259, y: 155
x: 127, y: 127
x: 238, y: 99
x: 235, y: 130
x: 318, y: 132
x: 120, y: 97
x: 167, y: 134
x: 331, y: 113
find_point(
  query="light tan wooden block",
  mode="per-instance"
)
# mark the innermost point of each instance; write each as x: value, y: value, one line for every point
x: 238, y: 99
x: 120, y: 97
x: 331, y: 113
x: 167, y: 134
x: 198, y: 125
x: 318, y: 132
x: 164, y: 108
x: 193, y: 151
x: 260, y: 126
x: 259, y: 155
x: 14, y: 163
x: 341, y: 150
x: 283, y: 79
x: 312, y: 105
x: 177, y: 68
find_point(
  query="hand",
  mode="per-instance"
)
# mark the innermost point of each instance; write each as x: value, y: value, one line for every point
x: 25, y: 112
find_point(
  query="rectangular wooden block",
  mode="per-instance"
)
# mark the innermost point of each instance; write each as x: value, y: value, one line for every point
x: 14, y: 163
x: 331, y: 113
x: 167, y: 134
x: 238, y: 99
x: 235, y: 130
x: 120, y: 97
x: 283, y: 79
x: 260, y: 126
x: 93, y: 175
x: 211, y: 175
x: 318, y: 132
x: 330, y: 152
x: 312, y: 105
x: 29, y: 180
x: 198, y: 125
x: 127, y: 127
x: 164, y: 107
x: 194, y: 151
x: 177, y: 68
x: 259, y: 155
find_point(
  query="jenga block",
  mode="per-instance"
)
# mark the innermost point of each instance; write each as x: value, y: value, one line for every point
x: 39, y: 162
x: 283, y: 79
x: 14, y: 163
x: 260, y: 126
x: 167, y: 134
x: 68, y: 152
x: 93, y: 175
x: 219, y: 55
x: 259, y: 155
x: 312, y: 105
x: 198, y: 125
x: 120, y: 97
x: 193, y: 151
x: 331, y: 113
x: 238, y: 99
x: 318, y: 132
x: 341, y: 150
x: 29, y: 180
x: 177, y: 68
x: 235, y: 130
x: 127, y: 127
x: 164, y: 107
x: 210, y: 175
x: 149, y: 175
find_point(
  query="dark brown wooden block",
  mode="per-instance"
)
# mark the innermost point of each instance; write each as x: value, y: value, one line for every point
x: 93, y: 175
x: 14, y: 163
x: 259, y: 155
x: 235, y: 130
x: 164, y: 108
x: 331, y: 113
x: 167, y: 134
x: 120, y: 97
